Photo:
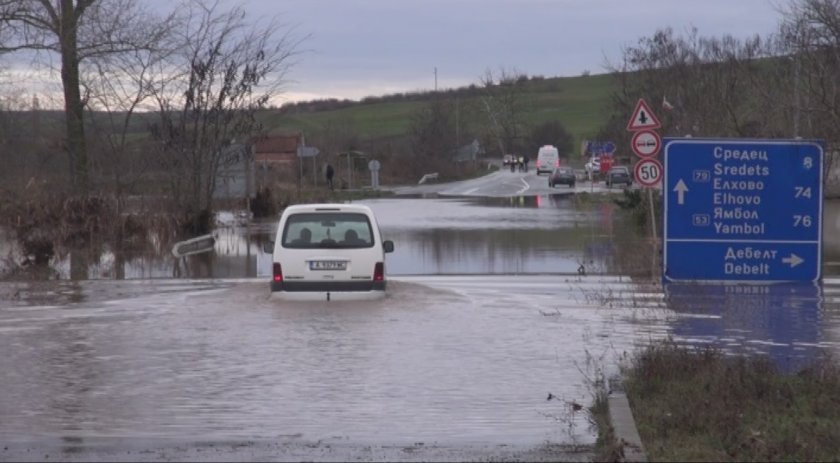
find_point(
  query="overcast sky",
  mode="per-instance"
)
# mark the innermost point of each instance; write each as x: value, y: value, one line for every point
x: 358, y: 48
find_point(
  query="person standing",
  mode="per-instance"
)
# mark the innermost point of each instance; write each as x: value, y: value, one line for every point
x: 330, y: 173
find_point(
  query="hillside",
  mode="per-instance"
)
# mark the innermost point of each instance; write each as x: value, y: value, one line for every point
x: 580, y: 103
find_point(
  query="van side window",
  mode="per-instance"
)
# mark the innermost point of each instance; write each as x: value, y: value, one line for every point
x: 327, y: 230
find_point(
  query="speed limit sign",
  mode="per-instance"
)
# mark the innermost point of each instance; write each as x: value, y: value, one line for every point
x: 648, y: 172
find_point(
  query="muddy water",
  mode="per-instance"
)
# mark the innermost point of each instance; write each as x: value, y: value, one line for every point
x: 547, y: 234
x: 536, y: 234
x: 454, y: 361
x: 494, y: 304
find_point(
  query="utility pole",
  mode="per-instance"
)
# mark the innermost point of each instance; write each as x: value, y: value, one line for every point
x: 435, y: 78
x: 457, y: 122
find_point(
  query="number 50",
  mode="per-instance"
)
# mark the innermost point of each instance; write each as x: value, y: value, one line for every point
x: 649, y: 172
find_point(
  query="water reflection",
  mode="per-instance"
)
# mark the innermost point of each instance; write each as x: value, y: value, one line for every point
x: 559, y: 233
x: 781, y: 321
x: 537, y: 234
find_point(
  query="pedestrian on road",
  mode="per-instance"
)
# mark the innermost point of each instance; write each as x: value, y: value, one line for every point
x: 330, y: 173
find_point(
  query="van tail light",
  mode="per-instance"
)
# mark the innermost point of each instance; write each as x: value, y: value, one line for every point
x: 277, y: 272
x: 379, y: 271
x: 557, y: 163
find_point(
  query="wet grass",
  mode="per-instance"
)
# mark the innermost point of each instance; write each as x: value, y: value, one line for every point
x: 697, y: 404
x: 324, y: 195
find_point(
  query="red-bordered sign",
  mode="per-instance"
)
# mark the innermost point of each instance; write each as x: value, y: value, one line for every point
x: 646, y: 143
x: 643, y: 118
x: 648, y: 172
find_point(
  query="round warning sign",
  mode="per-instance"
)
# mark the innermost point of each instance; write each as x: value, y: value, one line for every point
x: 648, y: 172
x: 646, y: 143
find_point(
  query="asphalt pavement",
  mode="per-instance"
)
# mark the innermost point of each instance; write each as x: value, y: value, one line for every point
x: 504, y: 183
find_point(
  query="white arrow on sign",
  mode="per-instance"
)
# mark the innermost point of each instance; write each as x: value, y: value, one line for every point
x: 793, y: 260
x: 681, y: 188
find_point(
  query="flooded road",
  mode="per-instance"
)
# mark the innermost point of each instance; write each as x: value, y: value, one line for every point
x: 452, y: 362
x: 493, y: 304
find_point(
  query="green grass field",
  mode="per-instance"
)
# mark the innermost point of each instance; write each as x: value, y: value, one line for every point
x: 581, y: 104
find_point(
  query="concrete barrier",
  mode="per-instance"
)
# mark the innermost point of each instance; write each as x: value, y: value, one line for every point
x: 427, y: 177
x: 624, y: 427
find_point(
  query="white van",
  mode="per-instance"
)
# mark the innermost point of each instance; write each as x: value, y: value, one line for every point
x: 329, y: 251
x: 547, y: 159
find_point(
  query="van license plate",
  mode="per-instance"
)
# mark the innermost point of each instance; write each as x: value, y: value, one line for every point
x: 328, y: 265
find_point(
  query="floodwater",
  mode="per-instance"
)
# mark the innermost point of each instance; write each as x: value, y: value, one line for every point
x: 493, y: 305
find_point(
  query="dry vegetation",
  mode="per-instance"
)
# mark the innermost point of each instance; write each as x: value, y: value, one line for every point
x: 698, y: 404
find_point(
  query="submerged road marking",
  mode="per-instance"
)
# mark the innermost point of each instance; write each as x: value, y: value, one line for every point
x: 525, y: 188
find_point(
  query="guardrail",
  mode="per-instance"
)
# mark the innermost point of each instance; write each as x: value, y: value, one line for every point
x: 425, y: 178
x: 196, y: 245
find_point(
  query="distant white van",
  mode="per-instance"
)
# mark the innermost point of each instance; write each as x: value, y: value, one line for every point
x: 547, y: 159
x: 328, y: 251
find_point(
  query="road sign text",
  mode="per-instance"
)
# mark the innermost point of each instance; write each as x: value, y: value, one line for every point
x: 764, y: 195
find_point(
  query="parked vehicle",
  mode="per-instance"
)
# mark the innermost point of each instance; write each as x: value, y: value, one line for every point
x: 547, y: 159
x: 329, y: 251
x: 619, y: 175
x: 593, y: 166
x: 562, y: 176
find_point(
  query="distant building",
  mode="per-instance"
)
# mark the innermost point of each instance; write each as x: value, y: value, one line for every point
x: 278, y: 149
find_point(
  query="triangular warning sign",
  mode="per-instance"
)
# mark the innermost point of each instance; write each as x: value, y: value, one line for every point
x: 643, y: 118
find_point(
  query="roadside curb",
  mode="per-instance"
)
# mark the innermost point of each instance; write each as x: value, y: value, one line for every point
x: 624, y: 427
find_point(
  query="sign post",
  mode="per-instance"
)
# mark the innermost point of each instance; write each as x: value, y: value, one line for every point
x: 648, y: 172
x: 373, y: 167
x: 743, y: 210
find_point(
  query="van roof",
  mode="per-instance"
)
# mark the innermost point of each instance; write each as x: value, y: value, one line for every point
x: 325, y: 207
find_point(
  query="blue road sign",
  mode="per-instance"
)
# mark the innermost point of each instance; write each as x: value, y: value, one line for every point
x: 744, y: 210
x: 598, y: 148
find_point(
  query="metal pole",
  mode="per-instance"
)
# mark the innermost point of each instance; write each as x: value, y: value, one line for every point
x: 655, y: 253
x: 796, y: 105
x: 300, y: 177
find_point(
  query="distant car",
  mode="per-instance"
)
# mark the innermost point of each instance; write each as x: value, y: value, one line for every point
x: 593, y: 166
x: 562, y: 176
x: 329, y: 251
x: 508, y: 159
x: 619, y: 175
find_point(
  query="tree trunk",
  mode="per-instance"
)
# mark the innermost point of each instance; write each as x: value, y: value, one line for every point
x: 73, y: 105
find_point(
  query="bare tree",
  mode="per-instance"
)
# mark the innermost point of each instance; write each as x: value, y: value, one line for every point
x: 433, y: 130
x: 225, y: 70
x: 713, y: 85
x: 550, y: 133
x: 810, y: 38
x: 75, y: 30
x: 505, y: 105
x: 118, y: 86
x: 809, y: 72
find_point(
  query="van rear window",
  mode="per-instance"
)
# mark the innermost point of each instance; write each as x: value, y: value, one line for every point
x: 317, y: 230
